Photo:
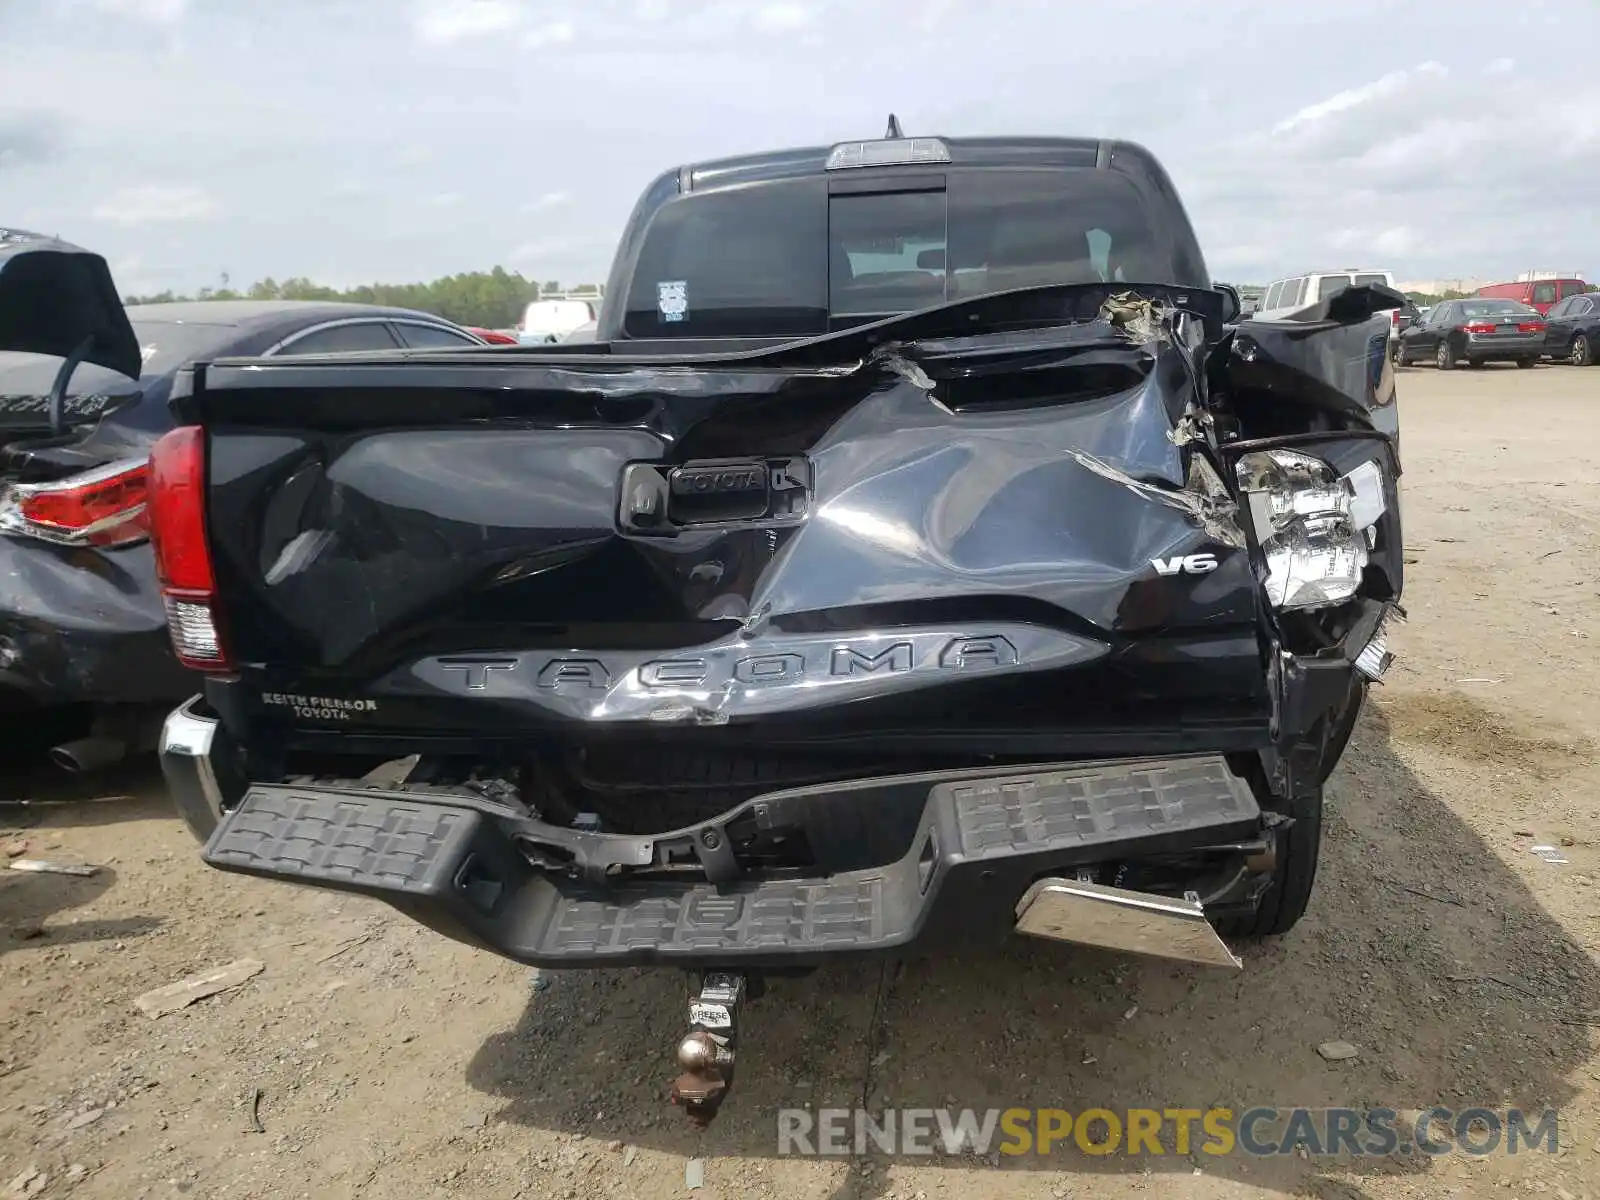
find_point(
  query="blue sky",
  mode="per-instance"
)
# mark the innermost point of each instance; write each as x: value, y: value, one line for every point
x: 361, y: 140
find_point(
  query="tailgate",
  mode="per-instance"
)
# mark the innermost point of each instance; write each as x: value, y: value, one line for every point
x: 514, y: 526
x: 519, y: 507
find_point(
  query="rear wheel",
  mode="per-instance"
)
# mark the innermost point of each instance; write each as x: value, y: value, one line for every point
x: 1581, y: 355
x: 1285, y: 900
x: 1294, y: 873
x: 1442, y: 358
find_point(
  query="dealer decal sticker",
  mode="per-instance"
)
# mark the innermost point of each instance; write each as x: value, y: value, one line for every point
x: 672, y: 299
x: 318, y: 708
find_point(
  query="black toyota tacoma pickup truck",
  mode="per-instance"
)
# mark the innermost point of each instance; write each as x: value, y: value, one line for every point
x: 923, y: 551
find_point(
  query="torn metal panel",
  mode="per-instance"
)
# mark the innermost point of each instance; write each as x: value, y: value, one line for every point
x: 1141, y: 318
x: 1331, y: 356
x: 1213, y: 509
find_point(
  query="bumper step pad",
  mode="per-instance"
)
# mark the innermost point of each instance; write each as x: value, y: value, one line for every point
x: 981, y: 843
x: 378, y: 844
x: 1110, y: 803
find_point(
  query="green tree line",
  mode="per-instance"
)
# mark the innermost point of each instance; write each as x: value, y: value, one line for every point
x: 490, y: 299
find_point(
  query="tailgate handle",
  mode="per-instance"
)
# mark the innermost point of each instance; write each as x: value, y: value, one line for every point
x: 660, y: 499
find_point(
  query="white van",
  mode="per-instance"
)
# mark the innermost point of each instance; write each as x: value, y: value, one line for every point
x: 1286, y: 296
x: 551, y: 320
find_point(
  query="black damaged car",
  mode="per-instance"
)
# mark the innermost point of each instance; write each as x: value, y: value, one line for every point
x: 923, y: 551
x: 82, y: 621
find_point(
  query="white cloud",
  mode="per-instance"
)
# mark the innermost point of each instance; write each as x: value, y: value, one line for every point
x: 1426, y: 171
x: 445, y: 21
x: 557, y: 33
x: 547, y: 201
x: 1355, y: 97
x: 1441, y: 170
x: 161, y: 12
x: 1396, y: 242
x: 443, y: 199
x: 154, y: 205
x: 531, y: 253
x: 782, y: 17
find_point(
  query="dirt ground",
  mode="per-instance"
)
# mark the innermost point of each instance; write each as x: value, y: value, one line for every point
x: 391, y: 1063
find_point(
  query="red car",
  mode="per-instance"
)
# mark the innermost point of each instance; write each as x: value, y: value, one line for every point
x: 1540, y: 293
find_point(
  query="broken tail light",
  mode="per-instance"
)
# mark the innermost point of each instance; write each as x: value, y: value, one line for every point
x: 104, y: 507
x: 1313, y: 525
x: 183, y: 554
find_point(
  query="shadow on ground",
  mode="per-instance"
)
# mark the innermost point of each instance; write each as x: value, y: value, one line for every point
x: 30, y: 905
x: 36, y: 794
x: 38, y: 801
x: 1421, y: 948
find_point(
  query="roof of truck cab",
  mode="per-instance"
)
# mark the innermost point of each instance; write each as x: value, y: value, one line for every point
x: 1082, y: 152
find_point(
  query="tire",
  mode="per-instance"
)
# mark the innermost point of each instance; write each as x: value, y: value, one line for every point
x: 1443, y: 359
x: 1286, y: 898
x: 1293, y: 877
x: 1525, y: 363
x: 1342, y: 725
x: 1581, y: 354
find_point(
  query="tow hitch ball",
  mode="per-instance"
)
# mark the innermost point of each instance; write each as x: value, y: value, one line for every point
x: 706, y: 1053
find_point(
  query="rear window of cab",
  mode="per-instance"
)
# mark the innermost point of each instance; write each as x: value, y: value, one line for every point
x: 789, y: 259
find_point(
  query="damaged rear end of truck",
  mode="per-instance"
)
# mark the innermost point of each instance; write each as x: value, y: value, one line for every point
x: 1043, y: 606
x: 891, y: 640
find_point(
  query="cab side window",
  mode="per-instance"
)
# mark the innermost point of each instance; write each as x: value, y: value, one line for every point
x: 340, y: 339
x: 428, y: 337
x: 1330, y: 285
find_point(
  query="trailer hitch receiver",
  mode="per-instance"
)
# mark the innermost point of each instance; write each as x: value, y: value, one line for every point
x: 706, y: 1053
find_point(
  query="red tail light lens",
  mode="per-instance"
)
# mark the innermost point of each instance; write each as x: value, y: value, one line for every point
x: 103, y: 507
x: 183, y: 556
x: 1531, y: 327
x: 1478, y: 327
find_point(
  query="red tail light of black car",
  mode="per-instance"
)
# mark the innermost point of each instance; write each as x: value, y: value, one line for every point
x: 105, y: 507
x: 183, y: 556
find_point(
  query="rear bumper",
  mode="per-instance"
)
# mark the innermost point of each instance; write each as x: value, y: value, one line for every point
x: 44, y: 667
x: 459, y: 864
x: 195, y: 763
x: 83, y: 627
x: 1504, y: 349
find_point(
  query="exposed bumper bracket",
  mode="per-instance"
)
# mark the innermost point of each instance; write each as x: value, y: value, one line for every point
x: 1094, y: 914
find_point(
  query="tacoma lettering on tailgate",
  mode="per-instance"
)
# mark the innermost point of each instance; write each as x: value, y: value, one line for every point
x: 739, y: 675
